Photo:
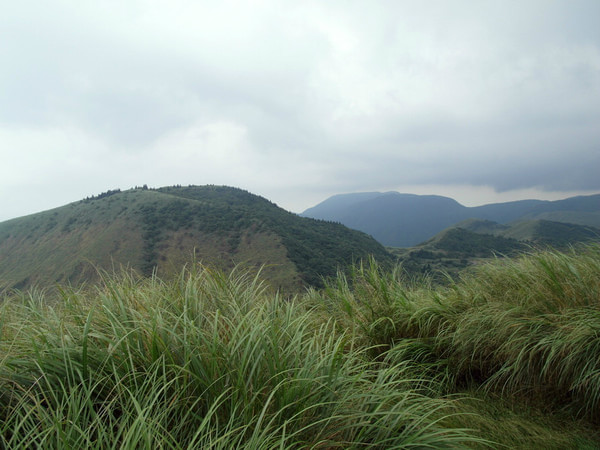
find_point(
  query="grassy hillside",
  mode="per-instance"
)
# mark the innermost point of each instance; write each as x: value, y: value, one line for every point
x: 482, y: 226
x: 576, y: 217
x: 536, y: 232
x: 472, y: 241
x: 168, y: 227
x: 453, y: 250
x: 507, y: 357
x: 554, y: 234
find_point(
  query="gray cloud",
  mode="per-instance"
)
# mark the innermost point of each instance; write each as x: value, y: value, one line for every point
x: 297, y: 101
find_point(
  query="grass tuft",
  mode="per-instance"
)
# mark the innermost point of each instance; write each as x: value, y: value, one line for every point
x: 208, y: 360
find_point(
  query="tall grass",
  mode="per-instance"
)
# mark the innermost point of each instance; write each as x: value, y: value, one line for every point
x: 215, y: 360
x: 533, y: 325
x: 528, y: 327
x: 208, y: 360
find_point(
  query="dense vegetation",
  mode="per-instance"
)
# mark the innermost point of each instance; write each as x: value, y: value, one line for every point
x: 507, y: 356
x: 318, y: 248
x: 453, y: 250
x: 547, y: 233
x: 472, y: 241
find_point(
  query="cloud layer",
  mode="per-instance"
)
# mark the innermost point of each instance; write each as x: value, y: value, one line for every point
x: 297, y: 100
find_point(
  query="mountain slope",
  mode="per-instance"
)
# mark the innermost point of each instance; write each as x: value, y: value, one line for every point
x: 337, y: 204
x: 392, y: 218
x: 473, y: 240
x: 482, y: 226
x: 548, y: 233
x: 538, y: 232
x: 405, y: 220
x: 168, y: 227
x: 453, y: 249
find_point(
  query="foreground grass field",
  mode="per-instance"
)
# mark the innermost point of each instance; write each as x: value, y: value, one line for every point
x: 507, y: 357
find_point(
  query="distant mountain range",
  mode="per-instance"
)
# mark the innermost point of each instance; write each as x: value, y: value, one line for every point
x: 163, y: 229
x: 405, y: 220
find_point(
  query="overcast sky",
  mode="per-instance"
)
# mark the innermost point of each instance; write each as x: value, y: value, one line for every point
x: 483, y: 101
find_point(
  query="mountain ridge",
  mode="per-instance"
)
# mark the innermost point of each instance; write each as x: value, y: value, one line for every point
x: 405, y: 220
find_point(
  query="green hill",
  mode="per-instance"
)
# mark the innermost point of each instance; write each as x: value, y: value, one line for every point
x: 536, y: 232
x: 453, y: 250
x: 473, y: 240
x: 162, y: 229
x: 550, y: 233
x: 576, y: 217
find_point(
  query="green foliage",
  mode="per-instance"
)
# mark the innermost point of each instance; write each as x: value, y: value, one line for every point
x: 456, y: 248
x: 528, y: 326
x: 458, y: 242
x: 206, y: 361
x: 453, y: 250
x: 537, y: 322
